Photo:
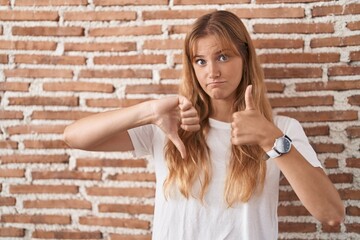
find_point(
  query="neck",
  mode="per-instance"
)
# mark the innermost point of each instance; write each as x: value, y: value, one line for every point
x: 222, y: 110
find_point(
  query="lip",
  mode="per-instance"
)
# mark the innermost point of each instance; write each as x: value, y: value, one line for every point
x: 215, y: 83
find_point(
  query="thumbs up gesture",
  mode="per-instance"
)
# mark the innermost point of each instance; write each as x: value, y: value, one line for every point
x: 250, y: 127
x: 172, y: 113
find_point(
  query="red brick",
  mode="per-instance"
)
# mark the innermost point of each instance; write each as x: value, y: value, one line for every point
x: 354, y: 100
x: 48, y: 31
x: 115, y: 222
x: 17, y: 158
x: 178, y: 29
x: 44, y: 101
x: 290, y: 72
x: 353, y: 162
x: 323, y: 116
x: 331, y: 163
x: 51, y: 3
x: 12, y: 173
x: 129, y: 237
x: 341, y: 178
x: 3, y: 59
x: 113, y: 102
x: 275, y: 87
x: 35, y: 129
x: 330, y: 229
x: 63, y: 115
x: 13, y: 15
x: 51, y: 60
x: 27, y: 45
x: 126, y: 60
x: 129, y: 192
x: 4, y: 3
x: 44, y: 144
x: 352, y: 227
x: 344, y: 70
x: 148, y: 177
x: 43, y: 189
x: 127, y: 208
x: 112, y: 163
x: 353, y: 132
x: 282, y: 12
x: 317, y: 131
x: 101, y: 47
x: 163, y: 44
x: 125, y: 31
x: 328, y: 147
x: 336, y: 10
x: 12, y: 232
x: 297, y: 227
x: 73, y: 175
x: 196, y: 2
x: 289, y: 1
x: 293, y: 211
x: 302, y: 101
x: 294, y: 28
x: 129, y: 2
x: 14, y: 86
x: 11, y: 114
x: 100, y: 16
x: 170, y: 74
x: 353, y: 25
x: 63, y: 204
x: 39, y: 73
x: 7, y: 201
x: 353, y: 211
x: 121, y: 73
x: 299, y: 57
x: 79, y: 87
x: 8, y: 144
x: 36, y: 219
x: 349, y: 194
x: 330, y: 85
x: 152, y: 89
x: 355, y: 56
x: 335, y: 42
x: 174, y: 14
x: 66, y: 234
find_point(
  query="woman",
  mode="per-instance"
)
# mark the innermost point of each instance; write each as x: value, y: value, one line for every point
x: 217, y: 150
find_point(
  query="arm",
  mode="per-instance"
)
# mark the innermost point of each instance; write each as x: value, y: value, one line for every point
x: 107, y: 131
x: 311, y: 184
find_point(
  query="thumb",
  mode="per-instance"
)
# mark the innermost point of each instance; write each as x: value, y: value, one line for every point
x: 176, y: 140
x: 249, y: 101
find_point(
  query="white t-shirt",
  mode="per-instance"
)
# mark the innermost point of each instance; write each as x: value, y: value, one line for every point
x: 179, y: 218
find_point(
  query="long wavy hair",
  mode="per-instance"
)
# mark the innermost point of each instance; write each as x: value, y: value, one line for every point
x: 246, y: 169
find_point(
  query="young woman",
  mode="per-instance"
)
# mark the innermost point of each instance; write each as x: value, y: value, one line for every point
x: 217, y: 150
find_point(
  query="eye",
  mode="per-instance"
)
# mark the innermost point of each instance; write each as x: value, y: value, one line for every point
x: 200, y: 62
x: 223, y: 58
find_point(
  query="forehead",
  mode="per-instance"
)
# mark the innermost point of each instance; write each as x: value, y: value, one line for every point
x: 210, y: 44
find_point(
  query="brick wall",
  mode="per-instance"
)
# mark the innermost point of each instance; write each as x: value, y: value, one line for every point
x: 61, y: 60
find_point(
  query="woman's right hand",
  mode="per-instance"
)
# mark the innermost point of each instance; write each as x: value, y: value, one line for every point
x: 171, y: 113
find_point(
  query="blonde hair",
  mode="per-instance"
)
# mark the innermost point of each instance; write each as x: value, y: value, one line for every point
x: 247, y: 168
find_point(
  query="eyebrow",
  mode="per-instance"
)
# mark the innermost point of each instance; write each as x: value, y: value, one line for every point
x: 218, y: 52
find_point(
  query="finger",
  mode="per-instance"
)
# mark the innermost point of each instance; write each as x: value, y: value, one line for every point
x: 190, y: 128
x: 184, y: 103
x: 176, y: 140
x: 249, y: 101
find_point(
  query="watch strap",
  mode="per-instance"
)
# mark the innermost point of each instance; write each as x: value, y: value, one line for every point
x: 274, y: 153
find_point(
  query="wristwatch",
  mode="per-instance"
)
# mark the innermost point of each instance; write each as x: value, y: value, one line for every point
x: 281, y: 146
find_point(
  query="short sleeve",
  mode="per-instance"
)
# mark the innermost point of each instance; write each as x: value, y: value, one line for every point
x: 142, y: 139
x: 292, y: 128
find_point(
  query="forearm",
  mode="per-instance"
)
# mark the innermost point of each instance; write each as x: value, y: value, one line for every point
x: 90, y: 131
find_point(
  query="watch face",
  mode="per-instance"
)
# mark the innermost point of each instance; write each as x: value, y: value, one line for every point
x: 283, y: 145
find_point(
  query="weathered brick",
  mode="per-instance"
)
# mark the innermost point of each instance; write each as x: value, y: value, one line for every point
x: 36, y: 219
x: 4, y: 3
x: 12, y: 173
x: 299, y: 57
x: 126, y: 60
x: 344, y: 70
x: 100, y: 16
x: 278, y: 43
x: 129, y: 192
x: 100, y: 47
x: 66, y: 234
x: 282, y: 12
x: 79, y: 87
x: 50, y: 101
x: 8, y: 144
x: 27, y: 45
x: 35, y: 129
x: 328, y: 147
x: 196, y: 2
x: 297, y: 227
x: 289, y: 1
x: 293, y: 211
x: 11, y: 114
x: 353, y: 162
x: 352, y: 227
x: 349, y: 194
x: 331, y: 163
x: 290, y: 72
x: 64, y: 115
x: 164, y: 44
x: 174, y: 14
x: 51, y: 60
x: 39, y: 73
x: 341, y: 178
x: 353, y: 211
x: 323, y: 116
x: 294, y: 28
x: 63, y: 204
x: 48, y: 31
x: 51, y: 3
x: 129, y: 237
x: 115, y: 222
x: 121, y: 73
x: 170, y: 74
x: 45, y: 144
x: 74, y: 175
x: 125, y: 31
x: 127, y: 208
x: 302, y: 101
x: 128, y: 163
x: 353, y: 25
x: 148, y: 177
x: 43, y: 189
x: 355, y: 56
x: 14, y: 86
x: 12, y: 232
x: 336, y: 10
x: 330, y: 229
x: 329, y: 85
x: 275, y: 87
x: 354, y: 131
x: 3, y: 59
x: 335, y: 42
x: 7, y: 201
x: 152, y: 89
x: 113, y: 102
x: 354, y: 100
x: 178, y: 29
x: 17, y: 158
x: 14, y: 15
x: 317, y: 131
x: 129, y: 2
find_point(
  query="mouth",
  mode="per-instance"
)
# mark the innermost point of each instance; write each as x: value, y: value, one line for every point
x: 214, y: 83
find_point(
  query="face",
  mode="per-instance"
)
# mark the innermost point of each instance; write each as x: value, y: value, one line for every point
x: 218, y: 70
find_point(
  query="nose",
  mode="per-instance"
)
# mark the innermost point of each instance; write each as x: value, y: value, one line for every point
x: 213, y: 70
